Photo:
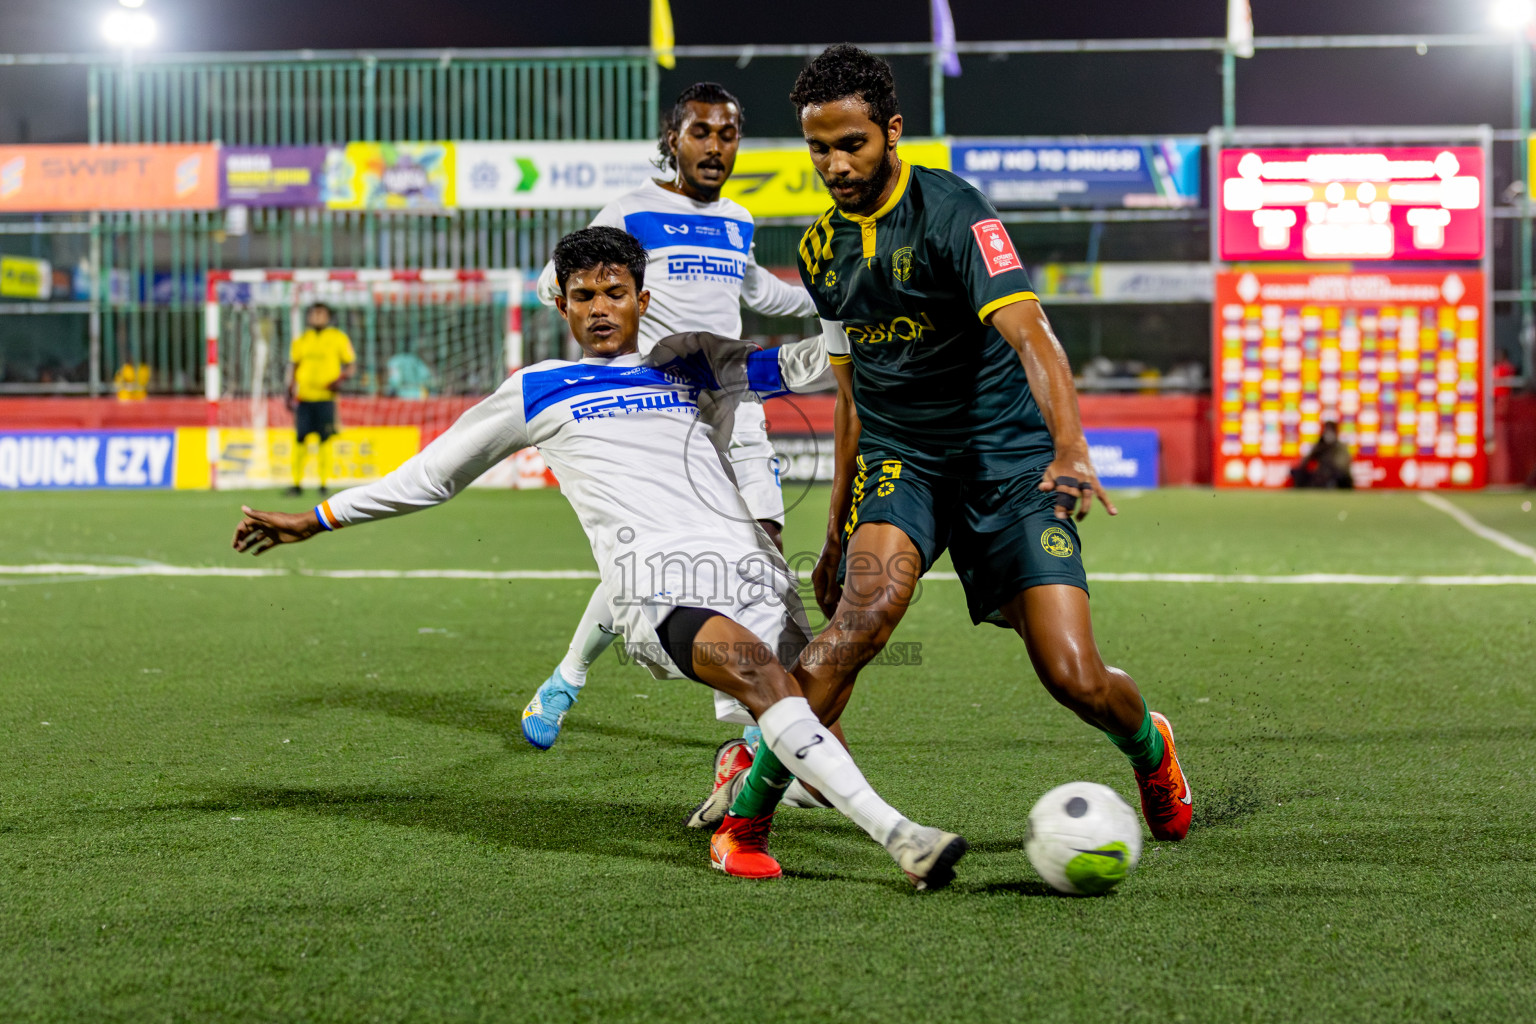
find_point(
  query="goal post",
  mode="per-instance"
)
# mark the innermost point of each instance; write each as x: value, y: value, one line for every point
x: 429, y: 344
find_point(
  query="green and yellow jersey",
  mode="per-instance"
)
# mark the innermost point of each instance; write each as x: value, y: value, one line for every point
x: 912, y: 286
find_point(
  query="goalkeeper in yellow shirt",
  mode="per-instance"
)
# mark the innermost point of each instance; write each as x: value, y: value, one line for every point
x: 318, y: 362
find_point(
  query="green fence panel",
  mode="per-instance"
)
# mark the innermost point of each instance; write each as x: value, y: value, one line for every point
x: 153, y: 265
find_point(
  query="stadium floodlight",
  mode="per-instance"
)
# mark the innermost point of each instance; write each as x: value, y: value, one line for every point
x: 1512, y: 15
x: 131, y: 3
x: 128, y: 30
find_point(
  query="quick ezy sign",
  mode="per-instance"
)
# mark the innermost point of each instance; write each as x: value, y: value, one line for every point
x: 36, y: 460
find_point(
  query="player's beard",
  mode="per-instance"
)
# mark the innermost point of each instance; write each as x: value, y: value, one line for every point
x: 866, y: 191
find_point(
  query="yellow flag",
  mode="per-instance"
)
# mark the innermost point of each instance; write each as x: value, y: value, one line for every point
x: 662, y: 39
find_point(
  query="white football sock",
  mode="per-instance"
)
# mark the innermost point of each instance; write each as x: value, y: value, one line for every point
x: 798, y: 796
x: 593, y: 636
x: 812, y: 753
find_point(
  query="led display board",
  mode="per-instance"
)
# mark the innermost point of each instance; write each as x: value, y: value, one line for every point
x: 1422, y: 203
x: 1395, y: 359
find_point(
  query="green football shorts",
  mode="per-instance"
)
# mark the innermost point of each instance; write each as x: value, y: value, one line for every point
x: 1003, y: 535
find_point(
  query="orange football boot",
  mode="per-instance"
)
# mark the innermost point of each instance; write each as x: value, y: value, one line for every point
x: 740, y: 848
x: 1165, y: 796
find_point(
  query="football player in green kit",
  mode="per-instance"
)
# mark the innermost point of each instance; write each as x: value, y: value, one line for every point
x: 957, y: 427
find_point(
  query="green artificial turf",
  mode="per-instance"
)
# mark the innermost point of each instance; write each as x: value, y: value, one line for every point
x: 307, y: 799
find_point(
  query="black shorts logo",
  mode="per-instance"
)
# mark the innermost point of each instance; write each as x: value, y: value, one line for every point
x: 1056, y: 542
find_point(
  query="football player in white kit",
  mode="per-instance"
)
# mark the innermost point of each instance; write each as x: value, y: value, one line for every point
x: 692, y: 582
x: 701, y: 273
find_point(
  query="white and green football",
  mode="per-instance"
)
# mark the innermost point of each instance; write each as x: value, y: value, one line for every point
x: 1083, y: 839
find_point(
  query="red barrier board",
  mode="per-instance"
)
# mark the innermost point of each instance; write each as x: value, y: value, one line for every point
x: 1395, y: 359
x: 1420, y: 203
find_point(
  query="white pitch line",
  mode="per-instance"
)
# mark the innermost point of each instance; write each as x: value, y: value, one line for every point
x: 76, y: 569
x: 1488, y: 533
x: 71, y: 570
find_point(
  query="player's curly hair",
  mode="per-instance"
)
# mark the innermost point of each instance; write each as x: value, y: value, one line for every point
x: 845, y: 70
x: 600, y: 247
x: 672, y: 120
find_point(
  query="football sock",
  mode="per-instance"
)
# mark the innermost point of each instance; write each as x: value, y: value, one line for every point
x: 300, y: 456
x: 1145, y: 746
x: 792, y: 732
x: 593, y: 636
x: 764, y: 788
x: 798, y: 796
x: 325, y: 463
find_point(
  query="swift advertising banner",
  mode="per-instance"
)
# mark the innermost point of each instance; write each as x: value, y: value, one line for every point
x: 87, y: 459
x: 550, y: 175
x: 251, y: 458
x: 1421, y: 203
x: 779, y: 181
x: 47, y: 179
x: 271, y: 175
x: 417, y: 176
x: 1019, y: 175
x: 1396, y: 360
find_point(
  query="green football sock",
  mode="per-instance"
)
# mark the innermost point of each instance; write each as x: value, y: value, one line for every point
x: 1144, y: 748
x: 766, y: 781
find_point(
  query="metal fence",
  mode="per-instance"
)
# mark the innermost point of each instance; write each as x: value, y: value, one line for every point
x: 153, y: 318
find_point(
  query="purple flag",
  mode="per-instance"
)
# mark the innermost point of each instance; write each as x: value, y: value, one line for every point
x: 944, y: 36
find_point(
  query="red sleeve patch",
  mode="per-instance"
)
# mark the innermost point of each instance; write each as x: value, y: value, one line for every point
x: 996, y: 247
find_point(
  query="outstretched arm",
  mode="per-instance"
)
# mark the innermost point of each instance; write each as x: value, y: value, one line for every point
x: 482, y: 437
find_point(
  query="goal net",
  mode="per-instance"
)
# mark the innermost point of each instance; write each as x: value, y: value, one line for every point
x: 429, y: 344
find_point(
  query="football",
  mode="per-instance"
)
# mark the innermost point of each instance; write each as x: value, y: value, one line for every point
x: 1083, y: 839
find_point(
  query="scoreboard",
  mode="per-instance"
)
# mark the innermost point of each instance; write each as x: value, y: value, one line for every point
x: 1422, y: 203
x: 1396, y: 359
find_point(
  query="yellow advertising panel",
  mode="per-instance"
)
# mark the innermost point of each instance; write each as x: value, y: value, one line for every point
x: 780, y: 181
x: 358, y: 454
x: 390, y: 176
x: 22, y: 277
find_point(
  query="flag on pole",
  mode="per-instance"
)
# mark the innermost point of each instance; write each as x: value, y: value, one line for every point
x: 662, y: 39
x: 1239, y: 28
x: 944, y: 36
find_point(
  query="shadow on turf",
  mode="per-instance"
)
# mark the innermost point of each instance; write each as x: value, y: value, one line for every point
x: 460, y: 710
x: 597, y: 827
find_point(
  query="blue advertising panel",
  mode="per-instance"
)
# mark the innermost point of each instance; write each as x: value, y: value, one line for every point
x: 83, y: 459
x: 1019, y: 175
x: 1124, y: 458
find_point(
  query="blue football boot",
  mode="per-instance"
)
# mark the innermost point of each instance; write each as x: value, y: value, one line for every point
x: 545, y: 714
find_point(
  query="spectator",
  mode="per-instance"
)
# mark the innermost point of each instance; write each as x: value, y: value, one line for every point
x: 1327, y: 465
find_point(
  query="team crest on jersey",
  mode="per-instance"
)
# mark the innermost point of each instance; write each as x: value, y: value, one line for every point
x: 1056, y: 542
x: 901, y: 263
x: 733, y: 233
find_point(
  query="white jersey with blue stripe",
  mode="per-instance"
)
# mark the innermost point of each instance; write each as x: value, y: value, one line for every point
x: 702, y: 268
x: 635, y: 442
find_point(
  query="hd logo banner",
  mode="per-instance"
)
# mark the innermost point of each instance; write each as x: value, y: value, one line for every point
x: 550, y: 175
x: 87, y: 459
x: 43, y: 179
